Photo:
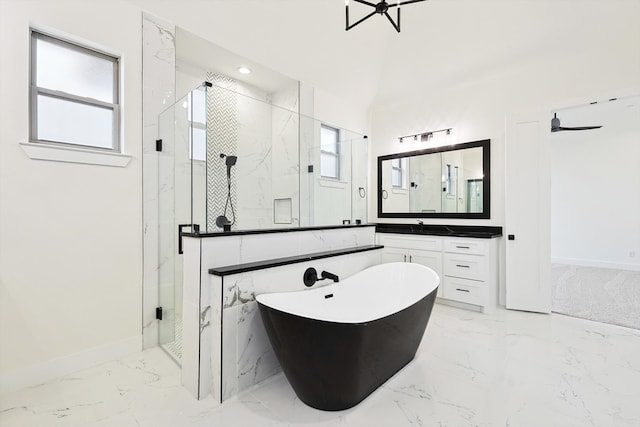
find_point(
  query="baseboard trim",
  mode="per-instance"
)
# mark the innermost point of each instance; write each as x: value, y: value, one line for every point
x: 37, y: 374
x: 596, y: 264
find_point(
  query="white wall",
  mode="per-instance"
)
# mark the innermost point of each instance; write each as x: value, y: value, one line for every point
x: 595, y: 186
x: 70, y: 234
x: 476, y: 107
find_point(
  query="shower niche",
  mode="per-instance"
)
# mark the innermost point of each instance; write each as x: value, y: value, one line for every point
x: 232, y: 158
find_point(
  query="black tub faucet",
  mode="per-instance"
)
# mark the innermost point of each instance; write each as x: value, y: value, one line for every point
x: 327, y: 275
x: 310, y: 276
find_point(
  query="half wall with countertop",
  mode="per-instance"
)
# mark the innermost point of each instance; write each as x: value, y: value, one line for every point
x: 225, y: 347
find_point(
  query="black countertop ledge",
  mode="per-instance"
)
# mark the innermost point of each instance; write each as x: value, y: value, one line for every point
x: 273, y: 230
x: 277, y: 262
x: 473, y: 231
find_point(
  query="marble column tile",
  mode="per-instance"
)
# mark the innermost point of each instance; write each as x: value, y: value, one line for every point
x: 256, y: 359
x: 191, y: 315
x: 230, y: 352
x: 216, y: 338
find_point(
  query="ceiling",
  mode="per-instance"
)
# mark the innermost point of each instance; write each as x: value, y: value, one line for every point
x: 190, y: 53
x: 443, y: 43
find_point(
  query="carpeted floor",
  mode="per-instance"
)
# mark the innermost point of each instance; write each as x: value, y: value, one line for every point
x: 600, y: 294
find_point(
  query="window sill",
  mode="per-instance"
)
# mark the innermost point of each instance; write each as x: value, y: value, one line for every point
x: 39, y: 151
x: 332, y: 183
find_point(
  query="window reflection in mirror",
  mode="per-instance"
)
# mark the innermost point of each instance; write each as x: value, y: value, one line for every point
x: 441, y: 182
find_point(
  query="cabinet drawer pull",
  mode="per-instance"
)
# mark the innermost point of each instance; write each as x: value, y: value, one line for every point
x: 463, y: 247
x: 462, y: 266
x: 463, y: 290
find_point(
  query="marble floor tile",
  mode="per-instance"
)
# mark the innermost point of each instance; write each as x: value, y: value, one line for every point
x: 504, y: 369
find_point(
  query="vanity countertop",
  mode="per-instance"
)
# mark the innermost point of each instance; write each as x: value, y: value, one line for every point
x: 473, y: 231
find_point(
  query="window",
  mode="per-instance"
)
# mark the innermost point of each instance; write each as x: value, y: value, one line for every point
x: 74, y: 94
x: 197, y: 115
x: 399, y: 173
x: 451, y: 180
x: 329, y: 152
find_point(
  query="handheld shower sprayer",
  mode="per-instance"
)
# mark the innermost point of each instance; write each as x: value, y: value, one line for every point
x: 222, y: 221
x: 231, y: 161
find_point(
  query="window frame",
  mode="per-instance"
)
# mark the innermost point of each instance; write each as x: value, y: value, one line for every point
x: 336, y: 155
x: 34, y: 35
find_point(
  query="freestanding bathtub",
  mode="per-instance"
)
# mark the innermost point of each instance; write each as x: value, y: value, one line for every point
x: 338, y: 343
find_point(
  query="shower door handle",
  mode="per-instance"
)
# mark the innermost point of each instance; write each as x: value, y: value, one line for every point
x: 195, y: 228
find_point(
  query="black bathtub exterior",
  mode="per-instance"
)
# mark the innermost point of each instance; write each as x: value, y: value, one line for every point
x: 334, y: 366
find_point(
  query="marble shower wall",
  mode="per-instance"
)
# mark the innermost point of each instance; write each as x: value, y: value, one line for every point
x: 158, y: 59
x: 253, y: 169
x: 261, y: 129
x: 306, y: 132
x: 285, y: 153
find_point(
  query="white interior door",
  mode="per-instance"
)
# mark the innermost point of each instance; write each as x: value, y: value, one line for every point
x: 527, y: 213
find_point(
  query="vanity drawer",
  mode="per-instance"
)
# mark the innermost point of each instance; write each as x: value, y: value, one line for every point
x: 465, y: 266
x: 463, y: 290
x: 466, y: 246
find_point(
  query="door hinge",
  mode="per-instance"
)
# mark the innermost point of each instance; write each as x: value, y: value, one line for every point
x: 158, y: 145
x: 159, y: 313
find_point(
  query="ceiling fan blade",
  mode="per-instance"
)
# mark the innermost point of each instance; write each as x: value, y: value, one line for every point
x: 365, y: 2
x: 402, y: 3
x: 579, y: 128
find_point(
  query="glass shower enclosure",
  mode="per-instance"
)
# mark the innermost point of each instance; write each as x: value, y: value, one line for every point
x: 235, y: 159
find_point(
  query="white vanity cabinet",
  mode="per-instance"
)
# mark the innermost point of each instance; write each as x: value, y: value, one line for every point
x: 468, y: 267
x: 424, y: 250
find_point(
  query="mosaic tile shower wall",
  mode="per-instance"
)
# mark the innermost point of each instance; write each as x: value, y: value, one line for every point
x: 222, y: 137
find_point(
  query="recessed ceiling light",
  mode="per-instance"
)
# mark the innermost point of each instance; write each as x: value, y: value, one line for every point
x: 244, y: 70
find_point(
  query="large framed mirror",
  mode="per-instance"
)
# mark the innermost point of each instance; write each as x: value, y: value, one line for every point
x: 451, y: 181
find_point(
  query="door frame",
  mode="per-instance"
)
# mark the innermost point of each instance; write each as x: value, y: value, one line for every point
x: 544, y: 208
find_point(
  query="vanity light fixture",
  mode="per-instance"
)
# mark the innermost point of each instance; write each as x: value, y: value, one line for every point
x: 382, y: 8
x: 425, y: 136
x: 244, y: 70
